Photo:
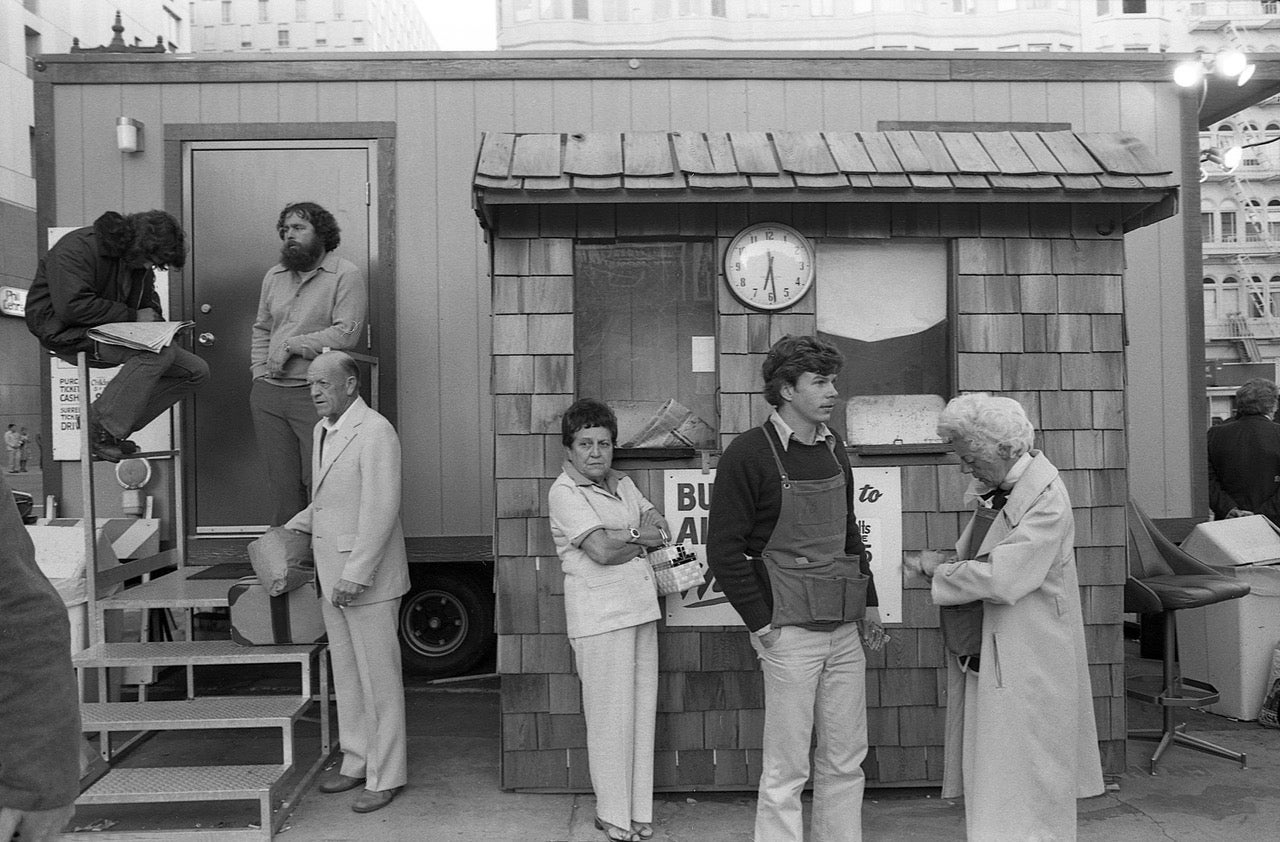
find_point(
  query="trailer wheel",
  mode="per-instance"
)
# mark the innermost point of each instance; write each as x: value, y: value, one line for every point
x: 446, y: 624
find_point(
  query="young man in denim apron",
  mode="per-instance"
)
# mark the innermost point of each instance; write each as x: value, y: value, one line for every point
x: 784, y: 545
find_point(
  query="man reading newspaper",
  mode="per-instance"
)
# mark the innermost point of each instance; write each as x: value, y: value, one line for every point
x: 101, y: 275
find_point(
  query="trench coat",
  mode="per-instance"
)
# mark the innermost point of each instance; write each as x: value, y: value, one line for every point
x: 1021, y: 743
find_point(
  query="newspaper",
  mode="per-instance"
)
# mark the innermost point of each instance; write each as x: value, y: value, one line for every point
x: 141, y: 336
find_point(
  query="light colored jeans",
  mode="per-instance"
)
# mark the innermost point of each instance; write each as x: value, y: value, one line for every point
x: 813, y: 679
x: 619, y: 672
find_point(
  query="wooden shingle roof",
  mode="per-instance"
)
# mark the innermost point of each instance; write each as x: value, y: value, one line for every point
x: 910, y: 166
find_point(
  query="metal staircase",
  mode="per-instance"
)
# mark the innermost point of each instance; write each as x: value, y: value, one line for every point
x: 130, y: 587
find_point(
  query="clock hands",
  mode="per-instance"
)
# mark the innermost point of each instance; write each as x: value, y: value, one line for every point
x: 768, y: 278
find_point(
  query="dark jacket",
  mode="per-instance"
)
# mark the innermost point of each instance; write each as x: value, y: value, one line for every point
x: 39, y: 705
x: 84, y: 281
x: 1244, y: 466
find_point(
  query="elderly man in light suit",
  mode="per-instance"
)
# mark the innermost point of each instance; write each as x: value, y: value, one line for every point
x: 354, y: 522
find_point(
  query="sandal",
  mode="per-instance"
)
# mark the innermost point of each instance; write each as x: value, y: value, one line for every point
x: 627, y: 835
x: 643, y: 830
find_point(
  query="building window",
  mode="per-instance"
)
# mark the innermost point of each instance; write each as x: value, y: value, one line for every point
x: 33, y: 49
x: 1133, y: 7
x: 1227, y: 224
x: 357, y: 41
x: 246, y: 36
x: 644, y: 338
x: 962, y: 7
x: 1253, y: 230
x: 226, y: 11
x: 321, y: 40
x: 581, y: 11
x: 524, y: 10
x: 717, y: 9
x: 337, y: 10
x: 822, y: 8
x: 282, y: 36
x: 210, y: 38
x: 757, y: 8
x: 1206, y: 227
x: 1257, y: 297
x: 300, y: 10
x: 662, y: 9
x: 1210, y: 300
x: 1229, y: 297
x: 896, y: 337
x: 264, y: 11
x: 615, y: 10
x: 550, y: 10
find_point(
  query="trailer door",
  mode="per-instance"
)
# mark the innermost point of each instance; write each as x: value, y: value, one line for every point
x: 233, y: 193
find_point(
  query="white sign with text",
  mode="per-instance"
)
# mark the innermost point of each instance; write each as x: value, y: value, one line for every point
x: 877, y: 500
x: 65, y: 388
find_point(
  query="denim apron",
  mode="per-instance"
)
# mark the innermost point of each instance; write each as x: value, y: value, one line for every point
x: 812, y: 581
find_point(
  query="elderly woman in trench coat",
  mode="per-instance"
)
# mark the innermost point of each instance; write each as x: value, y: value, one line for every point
x: 1021, y: 743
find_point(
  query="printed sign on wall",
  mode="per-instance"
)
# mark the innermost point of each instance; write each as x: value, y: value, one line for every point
x: 877, y: 500
x: 65, y: 382
x: 686, y: 504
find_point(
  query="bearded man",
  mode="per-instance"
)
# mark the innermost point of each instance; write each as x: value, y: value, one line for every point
x: 311, y: 301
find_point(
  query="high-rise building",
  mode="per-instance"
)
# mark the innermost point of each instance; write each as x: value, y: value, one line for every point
x: 986, y: 25
x: 29, y: 28
x: 233, y: 26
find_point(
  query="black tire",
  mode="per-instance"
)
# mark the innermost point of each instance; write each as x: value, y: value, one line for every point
x: 446, y: 623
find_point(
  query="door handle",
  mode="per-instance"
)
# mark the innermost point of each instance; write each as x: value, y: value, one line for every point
x: 206, y: 339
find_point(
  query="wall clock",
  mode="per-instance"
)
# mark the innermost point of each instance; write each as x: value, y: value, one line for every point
x: 769, y: 266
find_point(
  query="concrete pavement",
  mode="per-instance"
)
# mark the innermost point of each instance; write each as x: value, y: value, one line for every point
x: 453, y: 793
x: 453, y: 789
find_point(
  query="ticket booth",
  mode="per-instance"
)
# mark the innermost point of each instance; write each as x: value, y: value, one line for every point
x: 943, y: 262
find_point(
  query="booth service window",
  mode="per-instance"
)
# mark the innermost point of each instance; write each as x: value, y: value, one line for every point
x: 884, y: 305
x: 644, y: 339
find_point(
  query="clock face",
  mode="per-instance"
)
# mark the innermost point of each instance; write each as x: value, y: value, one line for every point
x: 769, y: 266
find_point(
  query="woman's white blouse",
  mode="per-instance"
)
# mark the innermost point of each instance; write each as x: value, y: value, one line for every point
x: 600, y: 597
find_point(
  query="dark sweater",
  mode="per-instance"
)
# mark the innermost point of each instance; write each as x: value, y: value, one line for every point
x: 745, y: 505
x: 39, y: 704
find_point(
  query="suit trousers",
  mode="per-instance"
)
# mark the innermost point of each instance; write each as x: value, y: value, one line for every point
x: 619, y: 672
x: 813, y: 678
x: 284, y: 421
x: 146, y: 385
x: 370, y: 691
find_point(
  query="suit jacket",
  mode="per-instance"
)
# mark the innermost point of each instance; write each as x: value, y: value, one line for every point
x: 354, y: 514
x: 1244, y: 466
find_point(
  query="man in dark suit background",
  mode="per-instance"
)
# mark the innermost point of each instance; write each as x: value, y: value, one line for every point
x: 1244, y: 456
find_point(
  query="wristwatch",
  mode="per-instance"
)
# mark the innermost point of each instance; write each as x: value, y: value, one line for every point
x: 635, y: 535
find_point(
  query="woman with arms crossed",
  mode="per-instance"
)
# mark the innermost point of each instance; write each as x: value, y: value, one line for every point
x: 601, y: 525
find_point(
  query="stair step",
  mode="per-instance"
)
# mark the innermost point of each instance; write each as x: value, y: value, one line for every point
x: 193, y: 714
x: 194, y: 652
x: 220, y: 834
x: 183, y: 783
x: 175, y: 589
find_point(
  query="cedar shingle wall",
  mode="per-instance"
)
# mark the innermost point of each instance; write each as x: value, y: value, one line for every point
x: 1038, y: 301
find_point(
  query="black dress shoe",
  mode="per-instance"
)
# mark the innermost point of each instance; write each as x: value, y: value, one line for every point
x: 339, y: 783
x: 370, y: 799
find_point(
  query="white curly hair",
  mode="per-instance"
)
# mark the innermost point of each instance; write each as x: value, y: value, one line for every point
x: 987, y: 423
